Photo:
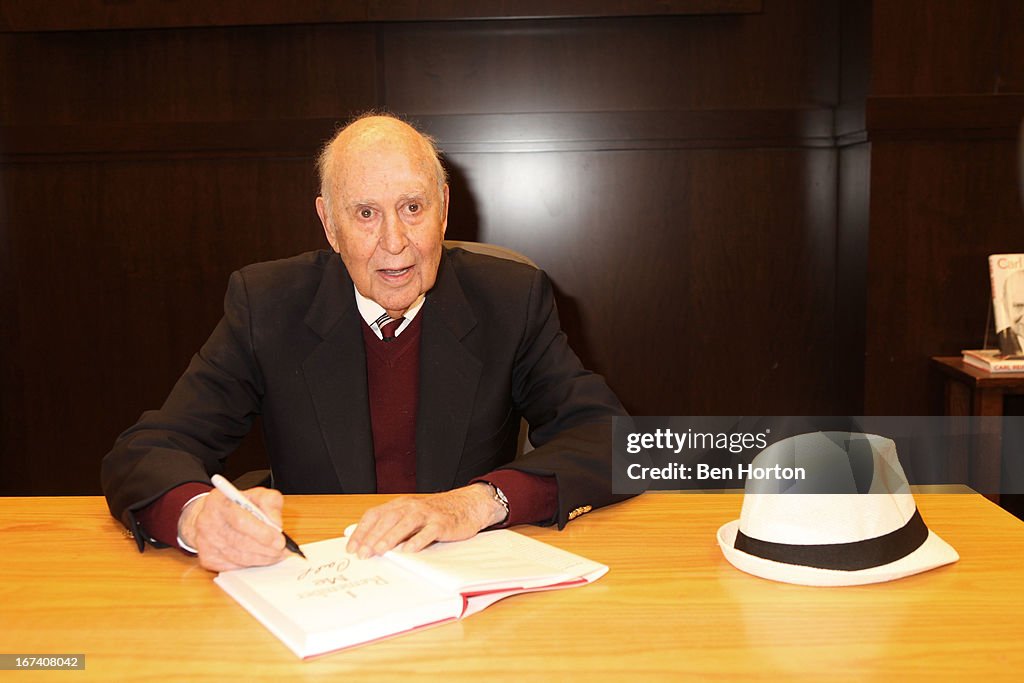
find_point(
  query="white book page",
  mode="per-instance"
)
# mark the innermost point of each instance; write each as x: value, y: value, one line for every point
x: 497, y: 560
x: 334, y: 599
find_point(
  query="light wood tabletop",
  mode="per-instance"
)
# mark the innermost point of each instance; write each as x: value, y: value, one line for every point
x: 670, y: 607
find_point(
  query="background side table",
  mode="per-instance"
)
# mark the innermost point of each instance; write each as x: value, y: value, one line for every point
x: 969, y: 390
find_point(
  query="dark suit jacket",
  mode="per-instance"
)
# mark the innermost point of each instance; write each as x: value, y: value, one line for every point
x: 290, y: 348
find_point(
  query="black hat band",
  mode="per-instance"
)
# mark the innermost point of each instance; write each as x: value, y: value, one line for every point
x: 853, y: 556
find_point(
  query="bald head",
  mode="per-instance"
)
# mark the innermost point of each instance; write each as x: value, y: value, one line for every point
x: 384, y: 208
x: 369, y: 134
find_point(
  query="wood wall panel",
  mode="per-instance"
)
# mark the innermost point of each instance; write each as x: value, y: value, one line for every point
x: 218, y: 74
x: 945, y: 117
x: 638, y: 64
x: 952, y: 47
x: 83, y: 15
x: 705, y: 304
x: 852, y: 239
x: 119, y: 280
x: 456, y: 133
x: 403, y: 10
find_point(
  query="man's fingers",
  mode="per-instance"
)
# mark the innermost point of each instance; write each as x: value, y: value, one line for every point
x: 269, y: 500
x: 239, y: 546
x: 221, y: 517
x: 218, y: 559
x: 421, y: 520
x: 427, y: 535
x: 384, y: 527
x: 365, y: 527
x: 228, y: 537
x: 389, y: 538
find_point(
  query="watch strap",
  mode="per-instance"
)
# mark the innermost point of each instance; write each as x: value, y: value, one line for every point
x: 502, y: 499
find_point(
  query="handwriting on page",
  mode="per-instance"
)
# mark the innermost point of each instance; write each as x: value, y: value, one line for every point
x: 333, y: 578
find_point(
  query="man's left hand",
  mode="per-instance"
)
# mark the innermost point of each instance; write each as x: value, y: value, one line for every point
x: 422, y: 519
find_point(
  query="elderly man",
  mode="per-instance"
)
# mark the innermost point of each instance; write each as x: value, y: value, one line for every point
x: 389, y: 364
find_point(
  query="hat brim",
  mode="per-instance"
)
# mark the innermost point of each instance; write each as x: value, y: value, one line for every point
x: 934, y: 552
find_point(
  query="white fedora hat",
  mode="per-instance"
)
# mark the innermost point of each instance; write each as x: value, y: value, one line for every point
x: 850, y: 519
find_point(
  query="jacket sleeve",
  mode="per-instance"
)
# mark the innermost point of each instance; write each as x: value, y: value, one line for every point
x: 569, y: 410
x: 208, y: 412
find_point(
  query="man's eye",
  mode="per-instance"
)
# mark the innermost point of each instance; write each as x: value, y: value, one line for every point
x: 413, y: 208
x: 365, y: 213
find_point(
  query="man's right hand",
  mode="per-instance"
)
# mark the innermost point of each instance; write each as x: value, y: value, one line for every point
x: 228, y: 537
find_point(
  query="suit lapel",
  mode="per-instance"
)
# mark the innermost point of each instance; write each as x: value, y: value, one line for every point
x: 449, y: 374
x: 336, y: 376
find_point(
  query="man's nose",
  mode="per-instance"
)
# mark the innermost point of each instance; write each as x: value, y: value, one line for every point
x: 392, y: 237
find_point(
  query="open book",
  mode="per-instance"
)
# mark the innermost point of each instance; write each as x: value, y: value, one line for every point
x: 334, y: 600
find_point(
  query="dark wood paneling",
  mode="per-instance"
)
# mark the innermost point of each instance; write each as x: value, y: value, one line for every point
x: 853, y: 235
x: 632, y: 130
x: 224, y: 75
x: 952, y: 47
x: 640, y: 64
x: 554, y: 132
x: 404, y: 10
x: 118, y: 281
x: 689, y: 297
x: 191, y: 139
x: 83, y: 15
x: 852, y: 206
x: 945, y: 117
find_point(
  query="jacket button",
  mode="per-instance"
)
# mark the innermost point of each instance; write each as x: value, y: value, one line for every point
x: 582, y: 510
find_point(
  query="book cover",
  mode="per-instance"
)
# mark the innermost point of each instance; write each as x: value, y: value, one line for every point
x: 1006, y: 272
x: 334, y: 600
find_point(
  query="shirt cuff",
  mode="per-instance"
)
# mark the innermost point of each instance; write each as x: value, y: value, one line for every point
x: 160, y: 518
x: 532, y: 498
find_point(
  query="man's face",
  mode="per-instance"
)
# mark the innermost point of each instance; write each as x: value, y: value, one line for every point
x: 388, y: 218
x: 1015, y: 302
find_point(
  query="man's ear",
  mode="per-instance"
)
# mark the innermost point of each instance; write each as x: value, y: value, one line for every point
x: 325, y: 220
x: 444, y: 210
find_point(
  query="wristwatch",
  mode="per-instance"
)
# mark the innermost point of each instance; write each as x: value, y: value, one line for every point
x: 499, y: 496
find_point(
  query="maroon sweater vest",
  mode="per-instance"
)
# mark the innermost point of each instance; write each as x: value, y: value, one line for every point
x: 393, y: 382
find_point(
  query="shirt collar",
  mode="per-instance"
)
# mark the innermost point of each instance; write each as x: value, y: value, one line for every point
x: 376, y: 317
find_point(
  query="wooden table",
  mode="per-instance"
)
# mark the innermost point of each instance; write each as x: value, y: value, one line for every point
x: 671, y: 607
